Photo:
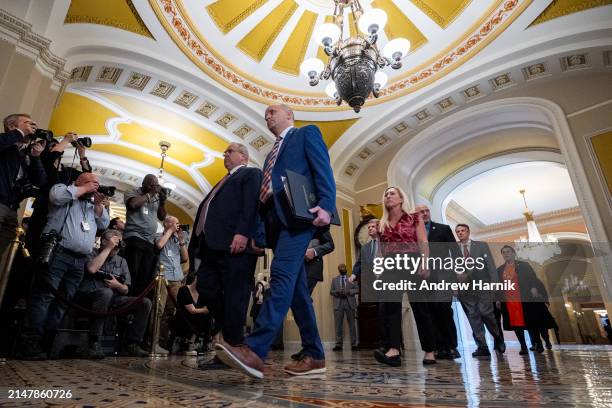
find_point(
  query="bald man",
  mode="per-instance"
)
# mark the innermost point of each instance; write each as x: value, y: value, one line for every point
x: 76, y: 212
x: 304, y: 152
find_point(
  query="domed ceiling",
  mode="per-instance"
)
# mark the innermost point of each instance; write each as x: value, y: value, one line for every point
x: 255, y: 47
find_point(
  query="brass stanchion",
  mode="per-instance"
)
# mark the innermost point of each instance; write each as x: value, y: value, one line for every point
x: 7, y: 263
x: 160, y: 283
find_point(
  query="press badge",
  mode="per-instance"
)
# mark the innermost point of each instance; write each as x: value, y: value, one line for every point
x: 84, y: 225
x: 145, y: 210
x: 169, y: 253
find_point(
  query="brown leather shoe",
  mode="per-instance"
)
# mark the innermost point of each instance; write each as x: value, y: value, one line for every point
x: 305, y: 366
x: 241, y: 358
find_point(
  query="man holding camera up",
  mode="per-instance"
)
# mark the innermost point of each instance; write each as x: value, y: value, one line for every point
x: 75, y: 213
x: 145, y: 205
x: 172, y: 253
x: 106, y: 285
x: 20, y: 166
x: 56, y: 173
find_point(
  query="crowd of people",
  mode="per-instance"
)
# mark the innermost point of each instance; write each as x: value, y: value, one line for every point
x: 413, y: 232
x: 107, y: 267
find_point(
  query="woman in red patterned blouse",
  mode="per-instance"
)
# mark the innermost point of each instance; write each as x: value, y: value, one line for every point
x: 400, y: 232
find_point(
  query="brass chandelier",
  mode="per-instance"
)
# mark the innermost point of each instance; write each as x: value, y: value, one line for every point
x: 354, y: 62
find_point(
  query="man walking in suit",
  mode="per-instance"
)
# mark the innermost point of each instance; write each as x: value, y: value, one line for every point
x: 444, y: 245
x: 220, y: 247
x: 304, y: 152
x: 320, y: 245
x: 478, y: 305
x: 344, y: 291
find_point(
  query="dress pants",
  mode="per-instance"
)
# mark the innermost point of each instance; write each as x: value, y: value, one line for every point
x: 141, y: 260
x: 344, y: 309
x: 224, y: 285
x: 424, y: 319
x: 288, y: 289
x: 479, y: 311
x: 390, y: 318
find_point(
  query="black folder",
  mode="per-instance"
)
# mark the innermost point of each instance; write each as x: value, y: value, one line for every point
x: 301, y: 196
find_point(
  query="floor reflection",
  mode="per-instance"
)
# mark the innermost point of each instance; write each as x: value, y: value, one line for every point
x: 571, y: 376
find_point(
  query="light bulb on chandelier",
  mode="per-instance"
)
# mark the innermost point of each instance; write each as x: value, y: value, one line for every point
x: 354, y: 62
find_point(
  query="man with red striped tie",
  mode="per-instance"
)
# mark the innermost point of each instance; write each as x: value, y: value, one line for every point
x: 221, y: 245
x: 302, y: 151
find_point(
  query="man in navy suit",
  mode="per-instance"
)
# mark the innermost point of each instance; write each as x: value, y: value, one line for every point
x: 302, y: 151
x: 221, y: 249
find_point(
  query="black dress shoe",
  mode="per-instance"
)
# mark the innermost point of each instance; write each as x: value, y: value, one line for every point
x: 481, y: 352
x: 523, y: 351
x: 427, y: 361
x: 443, y: 355
x: 337, y: 348
x: 548, y: 346
x: 532, y: 348
x: 500, y: 347
x: 539, y: 348
x: 298, y: 356
x: 381, y: 357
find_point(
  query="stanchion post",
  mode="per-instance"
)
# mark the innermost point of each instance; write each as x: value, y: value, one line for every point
x: 7, y: 263
x: 159, y: 284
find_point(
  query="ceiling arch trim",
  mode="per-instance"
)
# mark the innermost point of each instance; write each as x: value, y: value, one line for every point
x: 441, y: 196
x: 128, y: 172
x: 178, y: 25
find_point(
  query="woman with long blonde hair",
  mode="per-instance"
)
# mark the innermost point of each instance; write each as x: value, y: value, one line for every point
x: 402, y: 232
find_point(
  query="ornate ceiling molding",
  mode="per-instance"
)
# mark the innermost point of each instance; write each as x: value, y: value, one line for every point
x: 122, y: 15
x: 18, y: 32
x: 176, y: 22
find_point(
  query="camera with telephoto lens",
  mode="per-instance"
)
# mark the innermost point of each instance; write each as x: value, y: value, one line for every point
x: 108, y: 191
x: 48, y: 242
x: 23, y: 189
x: 42, y: 134
x: 107, y: 276
x: 83, y: 141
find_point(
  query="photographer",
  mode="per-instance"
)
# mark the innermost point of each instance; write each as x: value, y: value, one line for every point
x: 20, y: 170
x: 75, y: 213
x: 145, y: 206
x: 105, y: 285
x: 56, y: 173
x: 172, y: 253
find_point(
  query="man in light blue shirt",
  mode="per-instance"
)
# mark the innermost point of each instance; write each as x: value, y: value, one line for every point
x: 76, y: 212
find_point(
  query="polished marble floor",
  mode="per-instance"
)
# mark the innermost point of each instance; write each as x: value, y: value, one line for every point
x: 565, y: 377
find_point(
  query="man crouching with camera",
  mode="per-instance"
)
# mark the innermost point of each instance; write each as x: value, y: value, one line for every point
x: 76, y: 212
x: 105, y: 285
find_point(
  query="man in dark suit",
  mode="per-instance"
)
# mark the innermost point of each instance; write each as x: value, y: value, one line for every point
x: 345, y: 304
x: 304, y: 152
x: 478, y: 305
x: 319, y: 246
x: 442, y: 245
x: 368, y: 252
x: 221, y: 245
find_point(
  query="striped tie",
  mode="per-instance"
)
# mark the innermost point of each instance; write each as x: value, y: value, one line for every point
x: 266, y: 190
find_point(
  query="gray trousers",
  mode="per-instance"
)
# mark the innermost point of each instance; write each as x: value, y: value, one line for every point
x: 478, y: 306
x: 101, y: 299
x: 345, y: 309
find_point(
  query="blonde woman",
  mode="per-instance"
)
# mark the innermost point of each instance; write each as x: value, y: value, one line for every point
x: 403, y: 232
